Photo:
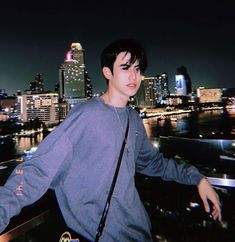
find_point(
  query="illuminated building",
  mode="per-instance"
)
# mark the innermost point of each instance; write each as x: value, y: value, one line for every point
x: 228, y: 96
x: 7, y: 106
x: 75, y: 85
x: 43, y: 106
x: 152, y: 91
x: 146, y: 95
x: 209, y: 95
x: 63, y: 110
x: 163, y: 79
x: 180, y: 85
x: 175, y: 100
x: 183, y: 82
x: 37, y: 86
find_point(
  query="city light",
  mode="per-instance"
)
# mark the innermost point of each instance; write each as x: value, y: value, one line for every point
x: 69, y: 56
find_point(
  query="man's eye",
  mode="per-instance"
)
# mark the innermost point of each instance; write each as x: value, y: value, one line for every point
x: 125, y: 67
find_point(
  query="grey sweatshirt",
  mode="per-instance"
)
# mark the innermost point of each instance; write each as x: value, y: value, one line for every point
x: 78, y: 161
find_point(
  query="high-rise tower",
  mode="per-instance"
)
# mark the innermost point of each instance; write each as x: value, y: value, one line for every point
x: 163, y: 79
x: 152, y: 91
x: 37, y: 86
x: 72, y: 76
x: 183, y: 81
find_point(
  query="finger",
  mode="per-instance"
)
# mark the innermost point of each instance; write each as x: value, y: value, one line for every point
x: 216, y: 216
x: 216, y: 213
x: 219, y: 215
x: 217, y: 200
x: 206, y: 205
x: 217, y: 208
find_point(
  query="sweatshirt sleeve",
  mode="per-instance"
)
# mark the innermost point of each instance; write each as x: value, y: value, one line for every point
x: 32, y: 178
x: 152, y: 163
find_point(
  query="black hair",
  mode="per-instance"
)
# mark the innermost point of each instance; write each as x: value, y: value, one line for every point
x: 110, y: 53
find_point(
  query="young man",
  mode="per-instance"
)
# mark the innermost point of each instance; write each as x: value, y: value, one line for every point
x: 79, y: 158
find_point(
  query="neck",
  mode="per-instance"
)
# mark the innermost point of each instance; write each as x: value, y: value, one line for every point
x: 113, y: 100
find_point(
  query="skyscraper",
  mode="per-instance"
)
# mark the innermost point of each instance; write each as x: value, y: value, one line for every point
x: 147, y: 93
x: 37, y: 86
x: 182, y: 74
x: 152, y: 91
x: 161, y: 87
x: 73, y: 76
x: 180, y: 85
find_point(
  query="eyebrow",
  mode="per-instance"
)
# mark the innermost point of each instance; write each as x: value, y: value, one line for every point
x: 126, y: 65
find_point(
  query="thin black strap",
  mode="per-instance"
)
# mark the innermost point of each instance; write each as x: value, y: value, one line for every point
x: 107, y: 204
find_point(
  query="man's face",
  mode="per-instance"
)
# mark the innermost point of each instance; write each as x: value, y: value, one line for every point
x: 126, y: 78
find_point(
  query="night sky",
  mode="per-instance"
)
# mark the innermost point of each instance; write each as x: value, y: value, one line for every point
x: 35, y: 36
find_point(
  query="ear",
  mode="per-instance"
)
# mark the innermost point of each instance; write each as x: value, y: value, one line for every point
x: 107, y: 72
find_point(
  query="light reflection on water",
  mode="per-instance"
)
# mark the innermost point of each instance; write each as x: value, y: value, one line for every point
x: 11, y: 148
x: 205, y: 139
x: 23, y: 143
x: 209, y: 124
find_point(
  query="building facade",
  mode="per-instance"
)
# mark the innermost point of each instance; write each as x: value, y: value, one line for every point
x: 180, y: 85
x: 37, y: 86
x: 43, y: 106
x: 152, y: 91
x: 209, y: 95
x: 8, y: 107
x: 75, y: 85
x: 183, y: 81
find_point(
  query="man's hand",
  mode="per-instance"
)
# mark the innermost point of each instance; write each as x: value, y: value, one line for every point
x: 206, y: 192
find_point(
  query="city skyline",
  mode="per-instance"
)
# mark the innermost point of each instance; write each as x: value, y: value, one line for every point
x: 35, y: 39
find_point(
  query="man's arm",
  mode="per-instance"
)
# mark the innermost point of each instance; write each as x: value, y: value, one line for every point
x: 32, y: 178
x: 151, y: 162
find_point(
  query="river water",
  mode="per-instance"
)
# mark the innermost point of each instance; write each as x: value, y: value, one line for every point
x: 209, y: 124
x: 11, y: 148
x: 205, y: 139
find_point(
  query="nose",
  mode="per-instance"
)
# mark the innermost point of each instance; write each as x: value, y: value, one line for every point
x: 132, y: 73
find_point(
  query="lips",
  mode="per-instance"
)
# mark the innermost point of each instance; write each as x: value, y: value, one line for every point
x: 132, y: 85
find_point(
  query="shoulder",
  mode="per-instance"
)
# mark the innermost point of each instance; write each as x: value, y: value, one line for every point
x: 135, y: 115
x: 84, y: 107
x: 81, y: 114
x: 137, y: 121
x: 78, y: 121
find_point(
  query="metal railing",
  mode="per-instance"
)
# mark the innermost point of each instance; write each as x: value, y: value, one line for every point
x: 25, y: 226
